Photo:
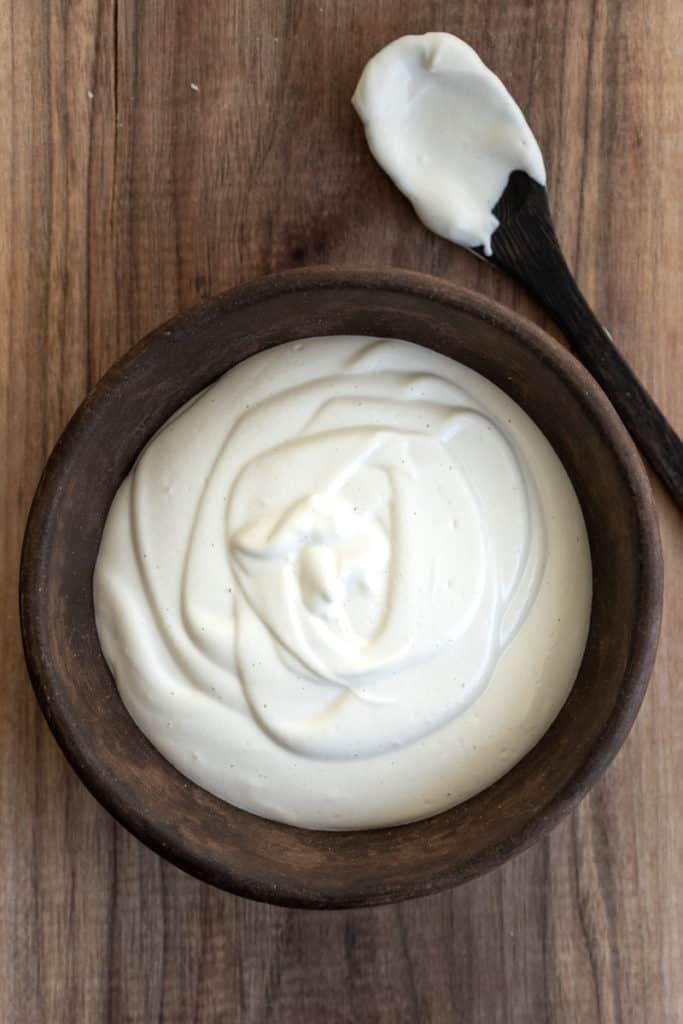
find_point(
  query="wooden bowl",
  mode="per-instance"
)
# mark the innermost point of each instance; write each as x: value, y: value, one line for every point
x: 236, y: 850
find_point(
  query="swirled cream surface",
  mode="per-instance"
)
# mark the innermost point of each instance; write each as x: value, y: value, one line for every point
x: 346, y: 586
x: 447, y: 132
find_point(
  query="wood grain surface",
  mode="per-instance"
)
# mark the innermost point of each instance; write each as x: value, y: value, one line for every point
x: 151, y: 153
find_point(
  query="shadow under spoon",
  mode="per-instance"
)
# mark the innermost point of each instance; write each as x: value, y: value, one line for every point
x: 526, y: 247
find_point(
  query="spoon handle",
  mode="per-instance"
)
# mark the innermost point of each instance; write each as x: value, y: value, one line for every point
x: 526, y: 247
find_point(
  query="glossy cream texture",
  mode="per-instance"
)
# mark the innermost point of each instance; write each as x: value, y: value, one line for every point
x: 347, y: 586
x: 447, y: 131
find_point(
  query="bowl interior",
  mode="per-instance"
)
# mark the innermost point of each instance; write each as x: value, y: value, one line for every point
x: 232, y: 848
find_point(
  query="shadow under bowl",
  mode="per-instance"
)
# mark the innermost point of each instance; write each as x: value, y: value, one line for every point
x: 234, y: 849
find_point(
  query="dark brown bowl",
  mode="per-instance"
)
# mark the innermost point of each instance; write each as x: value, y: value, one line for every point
x: 231, y: 848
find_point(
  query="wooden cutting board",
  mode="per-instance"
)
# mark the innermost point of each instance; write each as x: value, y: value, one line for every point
x: 152, y: 153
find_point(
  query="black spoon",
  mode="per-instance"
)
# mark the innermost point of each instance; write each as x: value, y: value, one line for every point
x: 526, y: 247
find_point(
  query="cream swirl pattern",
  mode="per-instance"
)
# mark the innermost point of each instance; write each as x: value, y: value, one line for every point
x: 328, y: 553
x: 364, y: 553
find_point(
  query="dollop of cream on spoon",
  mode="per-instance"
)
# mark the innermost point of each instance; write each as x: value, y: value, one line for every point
x: 447, y: 132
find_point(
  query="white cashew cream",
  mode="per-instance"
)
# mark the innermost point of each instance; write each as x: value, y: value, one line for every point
x: 346, y: 586
x: 446, y: 131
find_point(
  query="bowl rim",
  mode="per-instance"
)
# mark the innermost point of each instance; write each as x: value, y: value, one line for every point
x: 160, y: 836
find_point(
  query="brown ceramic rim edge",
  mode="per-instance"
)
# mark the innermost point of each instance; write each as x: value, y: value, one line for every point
x: 642, y: 654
